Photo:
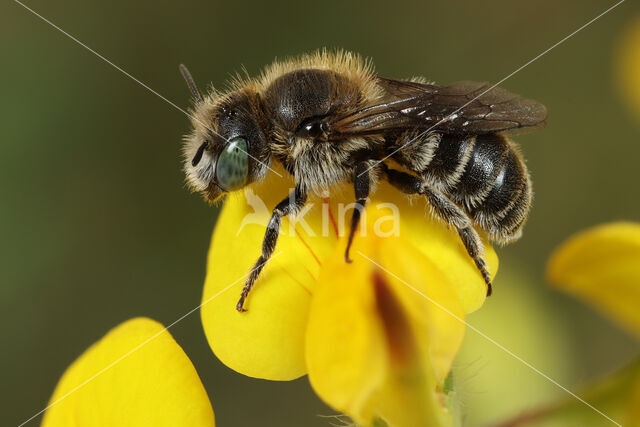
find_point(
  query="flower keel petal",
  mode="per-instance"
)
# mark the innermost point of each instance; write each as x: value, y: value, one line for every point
x: 376, y: 348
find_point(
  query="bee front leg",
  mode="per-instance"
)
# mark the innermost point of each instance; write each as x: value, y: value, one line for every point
x: 292, y: 204
x: 361, y: 187
x: 449, y: 212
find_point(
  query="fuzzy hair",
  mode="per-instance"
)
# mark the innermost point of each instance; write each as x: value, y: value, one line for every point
x: 349, y: 64
x: 360, y: 71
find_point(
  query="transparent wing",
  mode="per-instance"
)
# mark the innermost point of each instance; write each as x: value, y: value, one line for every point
x: 460, y: 108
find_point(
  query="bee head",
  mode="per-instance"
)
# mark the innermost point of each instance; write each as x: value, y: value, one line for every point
x: 227, y: 148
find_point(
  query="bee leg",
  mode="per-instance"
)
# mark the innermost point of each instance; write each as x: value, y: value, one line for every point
x: 449, y: 212
x: 475, y: 249
x: 361, y: 186
x: 293, y: 203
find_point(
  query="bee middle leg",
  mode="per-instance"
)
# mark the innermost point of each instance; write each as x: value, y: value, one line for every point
x: 361, y: 187
x: 290, y: 205
x: 449, y: 212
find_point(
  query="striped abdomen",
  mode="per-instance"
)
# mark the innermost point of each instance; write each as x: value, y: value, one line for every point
x: 483, y: 174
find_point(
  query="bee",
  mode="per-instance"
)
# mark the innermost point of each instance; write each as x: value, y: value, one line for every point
x: 327, y: 118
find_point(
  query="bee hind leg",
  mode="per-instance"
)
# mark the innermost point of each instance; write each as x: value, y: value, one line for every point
x: 475, y: 249
x: 292, y: 204
x: 449, y: 212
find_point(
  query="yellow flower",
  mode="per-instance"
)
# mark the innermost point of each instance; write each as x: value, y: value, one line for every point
x: 155, y: 384
x: 376, y: 348
x: 372, y: 346
x: 627, y: 63
x: 602, y: 266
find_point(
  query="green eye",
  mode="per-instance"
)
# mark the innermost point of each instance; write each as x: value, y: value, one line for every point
x: 232, y: 167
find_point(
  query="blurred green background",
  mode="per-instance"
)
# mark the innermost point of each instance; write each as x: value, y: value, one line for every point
x: 97, y: 227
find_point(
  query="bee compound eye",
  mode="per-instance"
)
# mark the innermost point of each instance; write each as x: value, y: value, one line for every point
x: 232, y: 167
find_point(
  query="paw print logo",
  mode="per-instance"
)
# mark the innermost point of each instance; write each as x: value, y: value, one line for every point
x: 260, y: 214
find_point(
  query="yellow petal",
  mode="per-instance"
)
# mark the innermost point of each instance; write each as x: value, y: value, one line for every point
x: 376, y: 347
x: 155, y: 385
x: 602, y: 266
x: 442, y: 245
x: 628, y: 65
x: 268, y: 340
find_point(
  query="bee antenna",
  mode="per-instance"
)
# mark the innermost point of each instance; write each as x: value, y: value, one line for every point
x: 192, y: 85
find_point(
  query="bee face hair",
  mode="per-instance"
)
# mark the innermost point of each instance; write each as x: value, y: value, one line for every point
x: 226, y: 149
x: 264, y: 113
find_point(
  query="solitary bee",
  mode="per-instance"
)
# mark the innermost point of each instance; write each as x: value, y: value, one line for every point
x: 328, y: 118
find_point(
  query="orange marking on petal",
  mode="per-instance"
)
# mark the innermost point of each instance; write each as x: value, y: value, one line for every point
x: 298, y: 282
x: 331, y: 217
x: 306, y: 245
x: 313, y: 277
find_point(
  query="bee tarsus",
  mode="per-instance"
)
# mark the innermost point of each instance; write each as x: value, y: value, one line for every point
x: 361, y: 186
x: 290, y: 205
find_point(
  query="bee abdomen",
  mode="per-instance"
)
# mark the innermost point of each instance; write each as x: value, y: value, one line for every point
x: 504, y: 209
x: 484, y: 174
x: 449, y: 161
x: 481, y: 171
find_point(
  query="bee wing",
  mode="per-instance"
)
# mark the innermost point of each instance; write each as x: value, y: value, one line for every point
x: 460, y: 108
